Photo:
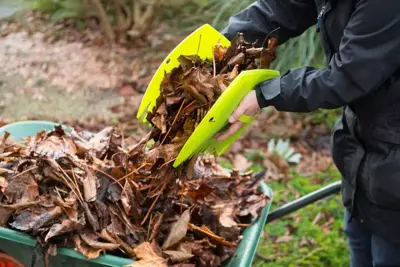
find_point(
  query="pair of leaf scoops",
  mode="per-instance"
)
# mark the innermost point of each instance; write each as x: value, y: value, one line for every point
x: 201, y: 42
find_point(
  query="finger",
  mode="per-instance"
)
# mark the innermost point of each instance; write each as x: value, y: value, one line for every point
x: 231, y: 130
x: 238, y: 112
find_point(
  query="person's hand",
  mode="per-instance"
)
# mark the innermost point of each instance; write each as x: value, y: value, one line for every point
x: 248, y: 106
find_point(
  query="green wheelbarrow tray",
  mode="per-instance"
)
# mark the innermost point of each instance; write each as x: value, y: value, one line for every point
x: 21, y: 246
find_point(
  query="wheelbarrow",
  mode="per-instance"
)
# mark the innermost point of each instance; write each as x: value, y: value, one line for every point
x: 21, y: 246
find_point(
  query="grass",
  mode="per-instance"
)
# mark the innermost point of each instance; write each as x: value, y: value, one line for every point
x: 301, y: 239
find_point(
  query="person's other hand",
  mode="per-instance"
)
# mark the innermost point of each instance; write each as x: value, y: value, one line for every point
x: 248, y: 106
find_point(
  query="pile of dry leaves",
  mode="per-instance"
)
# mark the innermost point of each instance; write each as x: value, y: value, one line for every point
x: 105, y: 192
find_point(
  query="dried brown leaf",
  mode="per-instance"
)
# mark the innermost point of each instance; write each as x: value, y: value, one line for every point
x: 200, y: 80
x: 178, y: 256
x: 87, y: 251
x: 178, y: 230
x: 55, y: 146
x: 226, y: 217
x: 22, y: 188
x: 61, y: 228
x: 99, y: 143
x: 5, y: 215
x: 103, y: 214
x: 186, y: 63
x: 116, y: 225
x: 173, y: 100
x: 29, y: 220
x: 237, y: 60
x: 93, y: 221
x: 88, y: 239
x: 127, y: 198
x: 219, y: 52
x: 166, y: 152
x: 253, y: 206
x: 90, y: 184
x: 148, y: 258
x: 205, y: 230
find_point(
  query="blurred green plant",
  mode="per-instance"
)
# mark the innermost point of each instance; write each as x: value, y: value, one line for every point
x: 133, y: 17
x: 303, y: 50
x: 60, y: 9
x: 118, y: 18
x: 282, y: 149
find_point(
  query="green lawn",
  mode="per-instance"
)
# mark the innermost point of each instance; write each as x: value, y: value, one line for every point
x: 312, y: 236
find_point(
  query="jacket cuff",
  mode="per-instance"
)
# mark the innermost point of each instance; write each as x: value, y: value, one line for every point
x: 268, y: 93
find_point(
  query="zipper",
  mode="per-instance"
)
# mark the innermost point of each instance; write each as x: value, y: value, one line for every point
x: 319, y: 18
x: 326, y: 8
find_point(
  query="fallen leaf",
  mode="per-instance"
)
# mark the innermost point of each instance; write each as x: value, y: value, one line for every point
x: 178, y: 230
x: 189, y: 247
x: 147, y: 257
x: 55, y: 146
x: 96, y: 244
x: 204, y: 229
x: 61, y: 228
x: 173, y: 100
x: 199, y: 80
x: 90, y: 185
x: 116, y: 225
x: 28, y: 221
x: 3, y: 184
x: 254, y: 205
x: 87, y: 251
x: 22, y: 188
x: 5, y: 215
x: 98, y: 143
x: 178, y: 256
x: 103, y: 214
x: 126, y: 198
x: 167, y: 153
x: 226, y: 217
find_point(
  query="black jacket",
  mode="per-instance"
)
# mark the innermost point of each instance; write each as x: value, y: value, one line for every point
x: 361, y: 39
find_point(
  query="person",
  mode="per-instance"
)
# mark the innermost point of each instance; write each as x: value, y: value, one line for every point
x: 362, y: 45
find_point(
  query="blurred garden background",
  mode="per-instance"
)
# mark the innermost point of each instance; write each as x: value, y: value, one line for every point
x: 86, y: 63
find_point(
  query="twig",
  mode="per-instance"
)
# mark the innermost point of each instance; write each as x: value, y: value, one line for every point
x: 106, y: 174
x: 156, y: 227
x: 243, y: 224
x: 166, y: 163
x: 173, y: 122
x: 214, y: 67
x: 28, y: 170
x: 269, y: 34
x: 129, y: 174
x: 79, y: 194
x: 154, y: 202
x: 148, y: 229
x: 210, y: 234
x: 198, y: 46
x: 188, y: 106
x: 75, y: 180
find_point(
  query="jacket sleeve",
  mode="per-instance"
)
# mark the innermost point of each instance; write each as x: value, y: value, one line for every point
x: 263, y: 16
x: 369, y: 54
